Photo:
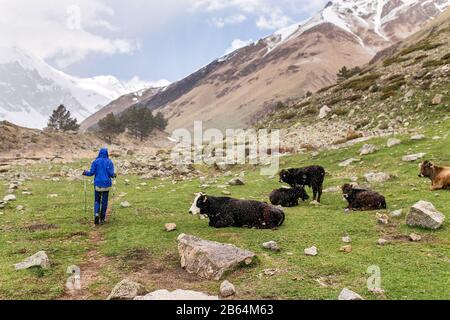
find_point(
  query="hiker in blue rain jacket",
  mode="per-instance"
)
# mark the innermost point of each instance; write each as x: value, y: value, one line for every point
x: 103, y: 170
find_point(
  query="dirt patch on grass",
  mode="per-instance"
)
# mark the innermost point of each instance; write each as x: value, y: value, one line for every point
x: 35, y: 227
x: 405, y: 238
x: 137, y: 259
x: 391, y: 233
x: 159, y: 272
x: 77, y: 234
x: 91, y: 270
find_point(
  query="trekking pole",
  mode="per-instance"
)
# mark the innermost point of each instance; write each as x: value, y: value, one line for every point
x: 111, y: 202
x: 85, y: 196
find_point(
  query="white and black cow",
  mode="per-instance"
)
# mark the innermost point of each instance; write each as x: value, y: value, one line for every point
x: 226, y: 212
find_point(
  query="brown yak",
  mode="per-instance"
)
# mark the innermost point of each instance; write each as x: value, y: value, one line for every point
x: 439, y: 176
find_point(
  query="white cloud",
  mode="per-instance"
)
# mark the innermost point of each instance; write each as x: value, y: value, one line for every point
x: 64, y: 30
x: 274, y: 20
x: 237, y: 44
x: 136, y: 84
x: 269, y: 14
x: 234, y: 19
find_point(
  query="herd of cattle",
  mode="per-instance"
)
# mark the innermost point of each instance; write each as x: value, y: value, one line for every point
x: 228, y: 212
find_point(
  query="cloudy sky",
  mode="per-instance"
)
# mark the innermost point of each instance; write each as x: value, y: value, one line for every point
x: 146, y: 38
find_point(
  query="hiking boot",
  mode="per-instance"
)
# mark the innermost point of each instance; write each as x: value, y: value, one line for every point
x: 102, y: 222
x: 97, y: 221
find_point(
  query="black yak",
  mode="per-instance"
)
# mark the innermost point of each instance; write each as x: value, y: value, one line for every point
x: 288, y: 197
x: 363, y: 199
x: 312, y: 177
x: 226, y: 212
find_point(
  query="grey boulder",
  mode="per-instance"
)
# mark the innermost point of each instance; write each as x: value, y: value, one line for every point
x: 209, y: 259
x: 424, y: 214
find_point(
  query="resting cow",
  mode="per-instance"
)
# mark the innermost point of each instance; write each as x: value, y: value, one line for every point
x: 439, y: 176
x: 226, y: 212
x: 363, y: 199
x: 312, y: 177
x: 288, y: 197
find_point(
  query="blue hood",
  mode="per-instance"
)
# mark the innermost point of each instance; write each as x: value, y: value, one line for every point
x: 103, y: 154
x: 103, y: 170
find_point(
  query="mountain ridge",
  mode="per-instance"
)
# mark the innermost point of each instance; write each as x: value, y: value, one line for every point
x: 231, y: 90
x: 30, y: 89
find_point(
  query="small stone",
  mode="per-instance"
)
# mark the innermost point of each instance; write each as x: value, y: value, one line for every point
x: 27, y: 193
x: 418, y: 137
x: 346, y: 239
x: 382, y: 242
x: 40, y: 259
x: 377, y: 291
x: 312, y: 252
x: 9, y: 198
x: 393, y: 142
x: 226, y: 193
x: 377, y: 177
x: 347, y: 294
x: 382, y: 219
x: 324, y: 111
x: 368, y: 149
x: 397, y: 213
x: 53, y: 195
x: 236, y: 182
x: 126, y: 290
x: 125, y: 204
x: 170, y: 227
x: 415, y: 237
x: 271, y: 245
x: 332, y: 190
x: 346, y: 249
x: 348, y: 162
x: 437, y: 99
x: 20, y: 208
x: 271, y: 272
x: 227, y: 289
x: 413, y: 157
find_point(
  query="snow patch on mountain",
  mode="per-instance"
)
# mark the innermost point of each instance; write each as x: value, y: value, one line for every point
x: 352, y: 16
x: 30, y: 89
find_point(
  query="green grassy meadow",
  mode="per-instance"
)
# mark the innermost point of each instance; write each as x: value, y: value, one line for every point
x: 135, y: 245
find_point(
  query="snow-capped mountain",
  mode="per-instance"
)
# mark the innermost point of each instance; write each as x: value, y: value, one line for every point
x: 390, y: 20
x: 30, y: 89
x: 234, y: 90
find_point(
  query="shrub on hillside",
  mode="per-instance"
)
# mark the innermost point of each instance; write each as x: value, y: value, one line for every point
x: 361, y: 83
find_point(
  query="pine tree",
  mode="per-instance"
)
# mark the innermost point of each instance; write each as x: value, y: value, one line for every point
x: 139, y: 121
x: 61, y: 120
x: 345, y: 73
x: 110, y: 126
x: 160, y: 122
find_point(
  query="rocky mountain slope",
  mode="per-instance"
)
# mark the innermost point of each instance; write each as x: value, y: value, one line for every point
x: 30, y: 89
x: 233, y: 91
x: 23, y: 145
x: 405, y: 88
